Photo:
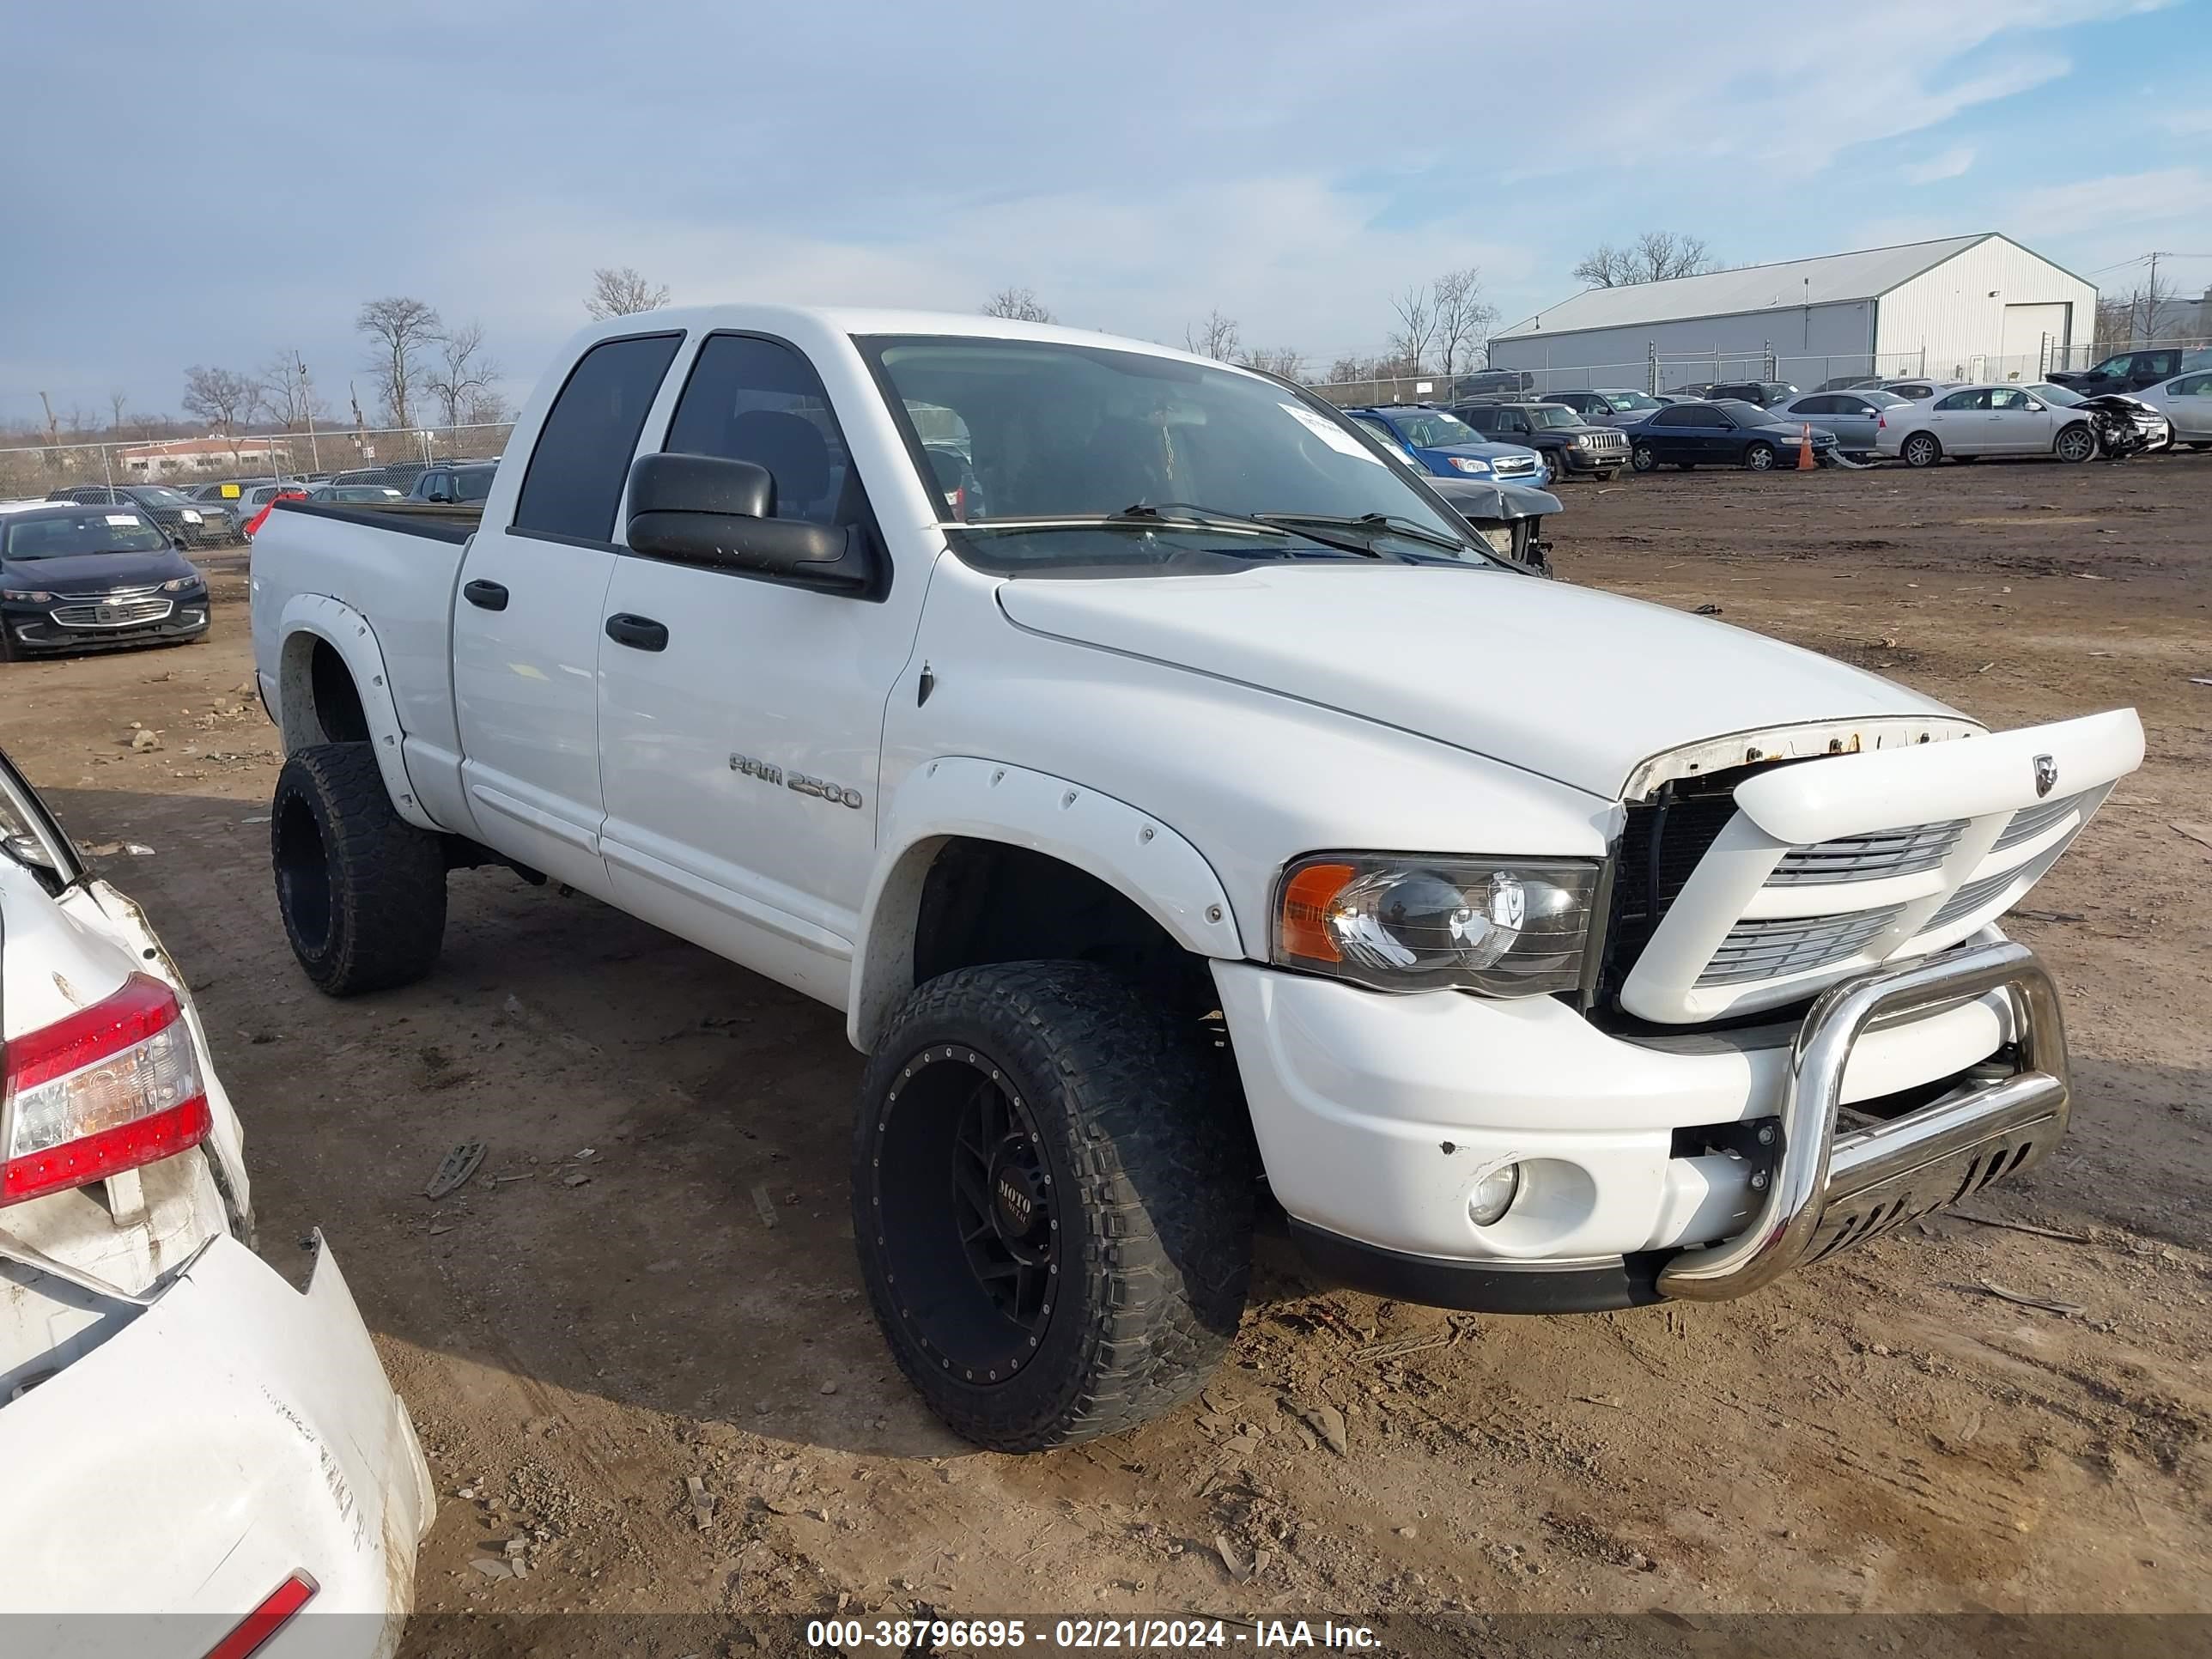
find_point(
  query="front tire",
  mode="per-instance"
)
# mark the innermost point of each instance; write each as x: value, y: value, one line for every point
x: 1759, y: 458
x: 1053, y: 1208
x: 1922, y: 449
x: 2075, y: 445
x: 1643, y: 458
x: 362, y: 890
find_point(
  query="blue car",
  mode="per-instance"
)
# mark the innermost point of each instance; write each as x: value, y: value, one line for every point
x: 1436, y: 440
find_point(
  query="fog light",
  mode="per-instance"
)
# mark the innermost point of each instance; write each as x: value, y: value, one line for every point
x: 1494, y: 1195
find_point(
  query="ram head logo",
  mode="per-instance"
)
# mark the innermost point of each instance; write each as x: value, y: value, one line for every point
x: 2047, y: 775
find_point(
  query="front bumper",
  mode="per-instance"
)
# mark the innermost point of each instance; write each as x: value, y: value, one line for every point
x: 234, y: 1432
x: 33, y: 627
x: 1377, y: 1117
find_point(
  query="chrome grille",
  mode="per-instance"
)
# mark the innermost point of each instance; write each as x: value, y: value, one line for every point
x: 111, y: 613
x: 1972, y: 896
x: 1513, y: 467
x: 1869, y: 857
x: 2032, y: 821
x: 1775, y: 947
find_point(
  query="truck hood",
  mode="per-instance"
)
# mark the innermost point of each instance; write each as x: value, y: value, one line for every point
x: 1568, y: 683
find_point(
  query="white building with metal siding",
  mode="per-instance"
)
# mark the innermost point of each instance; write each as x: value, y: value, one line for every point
x: 1964, y: 307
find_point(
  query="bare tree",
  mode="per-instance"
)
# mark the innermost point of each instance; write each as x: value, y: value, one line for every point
x: 288, y: 392
x: 1417, y: 327
x: 1019, y: 304
x: 223, y: 398
x: 1215, y: 337
x: 400, y: 329
x: 1655, y: 256
x: 622, y: 293
x: 1274, y: 359
x: 118, y: 401
x: 485, y: 407
x: 464, y: 373
x: 1463, y: 319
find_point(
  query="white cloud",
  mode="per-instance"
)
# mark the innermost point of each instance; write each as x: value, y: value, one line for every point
x: 1948, y: 164
x: 2167, y: 196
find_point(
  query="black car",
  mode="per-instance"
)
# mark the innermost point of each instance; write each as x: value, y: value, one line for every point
x: 2126, y: 371
x: 454, y: 481
x: 1726, y: 434
x: 77, y: 578
x: 195, y: 523
x: 1764, y: 393
x: 1575, y: 447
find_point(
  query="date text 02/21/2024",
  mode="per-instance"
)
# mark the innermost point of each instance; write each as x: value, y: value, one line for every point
x: 903, y: 1635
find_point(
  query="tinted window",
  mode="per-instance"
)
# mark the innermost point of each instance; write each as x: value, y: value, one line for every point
x: 1820, y: 406
x: 1681, y: 415
x: 2196, y: 386
x: 1965, y: 400
x: 584, y: 452
x: 750, y: 399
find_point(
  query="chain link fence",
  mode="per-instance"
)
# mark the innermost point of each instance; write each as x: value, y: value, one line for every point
x: 391, y: 455
x: 1673, y: 371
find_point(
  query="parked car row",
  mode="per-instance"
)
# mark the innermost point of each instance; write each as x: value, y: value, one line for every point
x: 186, y: 522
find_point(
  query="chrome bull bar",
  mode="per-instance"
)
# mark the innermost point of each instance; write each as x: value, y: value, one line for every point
x: 1829, y: 1191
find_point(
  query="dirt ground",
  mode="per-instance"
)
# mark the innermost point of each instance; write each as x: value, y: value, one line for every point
x: 652, y: 1278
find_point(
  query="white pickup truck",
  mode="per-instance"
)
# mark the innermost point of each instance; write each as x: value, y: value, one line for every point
x: 1190, y: 814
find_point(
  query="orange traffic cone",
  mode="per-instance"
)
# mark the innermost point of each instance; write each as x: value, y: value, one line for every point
x: 1805, y: 448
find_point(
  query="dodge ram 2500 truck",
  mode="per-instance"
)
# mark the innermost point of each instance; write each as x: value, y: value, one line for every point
x: 1187, y: 813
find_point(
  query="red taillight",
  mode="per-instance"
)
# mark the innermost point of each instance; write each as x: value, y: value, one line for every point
x: 105, y: 1089
x: 252, y: 1633
x: 1879, y: 422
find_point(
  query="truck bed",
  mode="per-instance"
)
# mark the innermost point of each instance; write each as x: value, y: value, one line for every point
x: 444, y: 521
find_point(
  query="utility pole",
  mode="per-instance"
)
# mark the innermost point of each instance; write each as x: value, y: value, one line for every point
x: 2150, y: 296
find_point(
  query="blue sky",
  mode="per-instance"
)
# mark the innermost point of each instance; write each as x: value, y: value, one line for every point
x: 211, y: 184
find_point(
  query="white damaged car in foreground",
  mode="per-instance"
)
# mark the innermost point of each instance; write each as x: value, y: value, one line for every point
x: 183, y: 1436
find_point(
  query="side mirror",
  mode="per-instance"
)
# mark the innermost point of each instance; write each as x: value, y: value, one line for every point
x: 2033, y: 407
x: 179, y: 542
x: 719, y: 515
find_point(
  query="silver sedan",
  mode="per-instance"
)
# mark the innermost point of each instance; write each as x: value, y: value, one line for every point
x: 1853, y: 417
x: 2185, y: 400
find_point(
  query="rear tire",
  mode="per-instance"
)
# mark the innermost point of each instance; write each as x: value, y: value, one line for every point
x: 1921, y: 449
x: 1052, y: 1201
x: 362, y: 890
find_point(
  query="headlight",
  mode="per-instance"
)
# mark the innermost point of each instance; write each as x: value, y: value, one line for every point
x: 188, y: 516
x: 183, y: 584
x: 1511, y: 927
x: 1468, y: 463
x: 26, y: 596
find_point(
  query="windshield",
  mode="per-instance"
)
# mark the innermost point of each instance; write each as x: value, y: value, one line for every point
x: 64, y: 535
x: 159, y: 495
x: 2058, y: 395
x: 1545, y: 414
x: 1430, y: 428
x: 1076, y: 433
x: 1628, y: 400
x: 1881, y: 399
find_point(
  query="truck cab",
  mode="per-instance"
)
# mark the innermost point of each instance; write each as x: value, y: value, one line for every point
x: 1191, y: 817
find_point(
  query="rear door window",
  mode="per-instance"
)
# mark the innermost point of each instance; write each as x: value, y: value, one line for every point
x: 582, y: 457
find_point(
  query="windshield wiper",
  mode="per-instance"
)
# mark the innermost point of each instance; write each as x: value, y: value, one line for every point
x: 1275, y: 524
x: 1375, y: 521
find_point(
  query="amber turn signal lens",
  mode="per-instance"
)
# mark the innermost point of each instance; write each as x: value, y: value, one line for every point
x: 1306, y: 898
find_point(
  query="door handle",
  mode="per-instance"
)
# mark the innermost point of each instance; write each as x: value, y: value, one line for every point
x: 641, y: 633
x: 485, y: 596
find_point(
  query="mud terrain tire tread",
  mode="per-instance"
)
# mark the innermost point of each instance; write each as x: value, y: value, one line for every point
x: 385, y: 878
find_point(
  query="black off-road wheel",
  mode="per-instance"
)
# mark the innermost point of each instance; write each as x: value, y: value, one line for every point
x: 1053, y: 1194
x: 362, y: 890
